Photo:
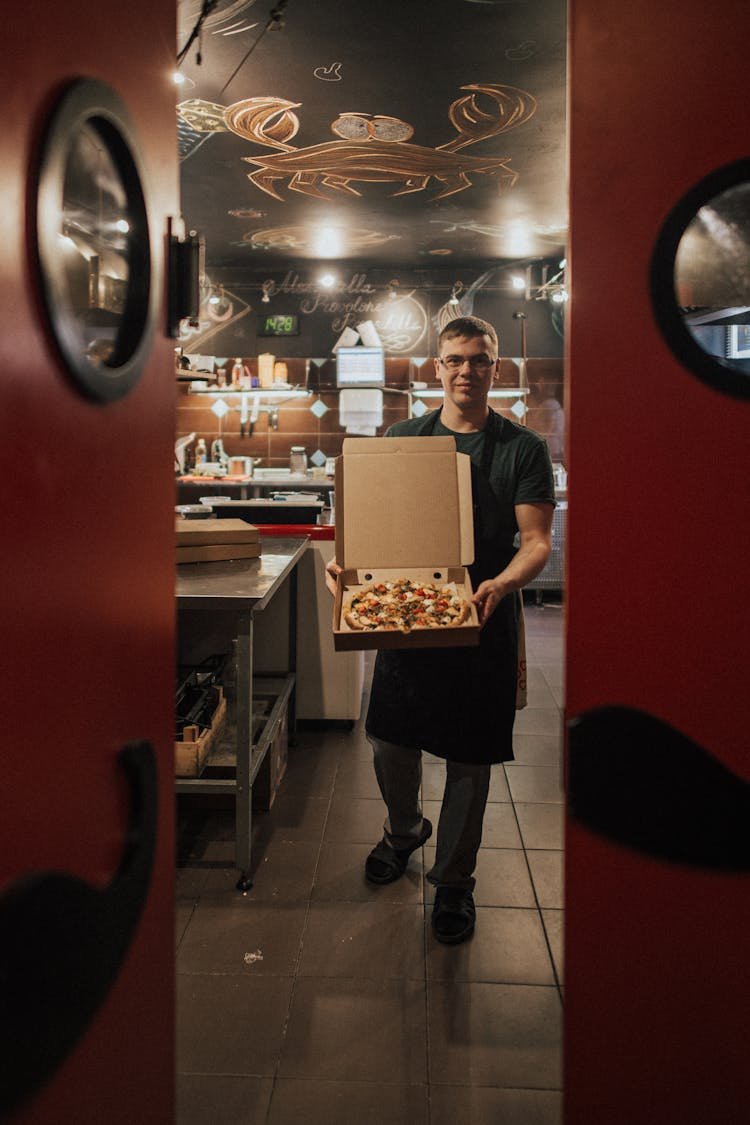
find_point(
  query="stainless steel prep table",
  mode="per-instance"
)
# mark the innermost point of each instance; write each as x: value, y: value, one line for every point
x: 244, y: 587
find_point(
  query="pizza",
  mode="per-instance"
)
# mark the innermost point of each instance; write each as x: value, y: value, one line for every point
x: 405, y: 604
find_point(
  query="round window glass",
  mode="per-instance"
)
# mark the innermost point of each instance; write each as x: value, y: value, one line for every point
x: 700, y: 280
x: 93, y: 242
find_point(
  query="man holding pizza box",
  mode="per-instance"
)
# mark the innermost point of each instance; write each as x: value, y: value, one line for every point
x: 459, y: 703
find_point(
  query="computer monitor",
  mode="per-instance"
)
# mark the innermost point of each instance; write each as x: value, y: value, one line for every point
x: 738, y: 343
x: 360, y: 367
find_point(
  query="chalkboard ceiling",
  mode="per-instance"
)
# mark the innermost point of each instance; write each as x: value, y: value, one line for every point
x: 396, y: 132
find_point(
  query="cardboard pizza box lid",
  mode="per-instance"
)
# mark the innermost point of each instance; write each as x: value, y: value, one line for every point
x: 403, y: 502
x: 214, y: 531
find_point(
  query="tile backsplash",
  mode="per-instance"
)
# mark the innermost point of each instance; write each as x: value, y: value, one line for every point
x: 292, y: 422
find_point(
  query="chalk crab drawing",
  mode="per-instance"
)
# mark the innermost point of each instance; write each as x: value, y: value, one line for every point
x: 375, y: 148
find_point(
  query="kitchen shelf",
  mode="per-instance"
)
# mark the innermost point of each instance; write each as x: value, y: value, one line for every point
x: 301, y: 392
x: 498, y: 392
x: 261, y: 392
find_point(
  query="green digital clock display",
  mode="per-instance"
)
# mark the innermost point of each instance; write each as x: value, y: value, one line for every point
x: 279, y: 324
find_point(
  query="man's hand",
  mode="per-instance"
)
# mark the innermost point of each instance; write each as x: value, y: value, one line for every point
x: 487, y: 597
x: 332, y: 571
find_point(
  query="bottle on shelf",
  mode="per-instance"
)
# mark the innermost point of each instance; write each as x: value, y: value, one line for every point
x: 201, y: 454
x: 237, y: 372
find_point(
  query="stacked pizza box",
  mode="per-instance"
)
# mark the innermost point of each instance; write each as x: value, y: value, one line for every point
x: 215, y: 540
x: 403, y: 511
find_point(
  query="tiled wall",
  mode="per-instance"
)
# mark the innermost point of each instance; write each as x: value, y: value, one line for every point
x: 298, y: 425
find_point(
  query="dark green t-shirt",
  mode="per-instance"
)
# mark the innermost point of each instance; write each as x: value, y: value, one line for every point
x: 521, y: 470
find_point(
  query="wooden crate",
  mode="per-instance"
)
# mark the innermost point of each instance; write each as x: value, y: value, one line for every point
x: 191, y: 752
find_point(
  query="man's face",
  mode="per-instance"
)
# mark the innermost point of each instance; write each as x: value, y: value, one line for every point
x: 466, y: 368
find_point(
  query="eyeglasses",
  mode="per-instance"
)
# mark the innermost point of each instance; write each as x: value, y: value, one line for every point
x: 475, y: 362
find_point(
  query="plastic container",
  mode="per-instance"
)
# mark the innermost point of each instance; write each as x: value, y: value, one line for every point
x: 297, y: 459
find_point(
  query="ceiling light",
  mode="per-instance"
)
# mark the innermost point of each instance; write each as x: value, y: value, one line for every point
x: 328, y: 242
x: 327, y: 280
x: 393, y: 289
x: 454, y: 297
x: 559, y: 296
x: 267, y: 287
x: 518, y: 282
x: 179, y: 79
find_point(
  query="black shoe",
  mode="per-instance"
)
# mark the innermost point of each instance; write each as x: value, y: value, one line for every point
x: 453, y: 915
x: 385, y: 865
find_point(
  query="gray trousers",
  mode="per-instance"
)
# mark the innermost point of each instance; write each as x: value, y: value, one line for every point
x: 459, y: 833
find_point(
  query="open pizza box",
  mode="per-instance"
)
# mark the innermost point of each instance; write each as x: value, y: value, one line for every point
x: 403, y: 510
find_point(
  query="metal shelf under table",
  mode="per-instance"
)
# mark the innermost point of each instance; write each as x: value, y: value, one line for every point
x: 244, y: 587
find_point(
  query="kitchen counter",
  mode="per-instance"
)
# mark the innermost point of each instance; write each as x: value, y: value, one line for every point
x: 249, y: 584
x: 262, y: 483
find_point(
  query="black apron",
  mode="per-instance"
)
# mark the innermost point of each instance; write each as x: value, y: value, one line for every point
x: 459, y: 703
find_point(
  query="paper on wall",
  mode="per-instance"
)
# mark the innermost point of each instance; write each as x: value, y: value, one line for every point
x: 347, y: 339
x: 361, y: 410
x: 369, y: 334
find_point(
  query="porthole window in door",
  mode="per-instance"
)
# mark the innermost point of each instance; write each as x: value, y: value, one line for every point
x: 700, y: 280
x: 93, y: 244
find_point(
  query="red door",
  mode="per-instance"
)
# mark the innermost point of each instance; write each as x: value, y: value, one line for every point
x: 86, y: 885
x: 658, y: 910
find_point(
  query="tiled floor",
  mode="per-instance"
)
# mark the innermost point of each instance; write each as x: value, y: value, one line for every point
x: 321, y: 999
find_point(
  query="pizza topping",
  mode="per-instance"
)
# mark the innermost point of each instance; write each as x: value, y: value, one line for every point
x: 406, y: 605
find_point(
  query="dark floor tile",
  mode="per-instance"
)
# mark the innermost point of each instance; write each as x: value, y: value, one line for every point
x: 356, y: 778
x: 538, y: 691
x: 499, y: 791
x: 311, y: 771
x: 549, y: 646
x: 542, y: 825
x: 283, y: 871
x: 196, y: 822
x: 213, y: 870
x: 230, y: 1024
x: 539, y: 720
x: 558, y: 694
x: 242, y: 936
x: 340, y: 877
x: 482, y: 1105
x: 226, y: 1099
x: 499, y: 828
x: 494, y: 1035
x: 535, y: 784
x: 294, y: 816
x: 342, y: 1103
x: 508, y: 947
x: 377, y: 939
x: 547, y: 873
x: 554, y: 925
x: 502, y: 877
x: 355, y: 820
x: 341, y: 1029
x: 183, y: 914
x: 538, y: 749
x: 553, y: 670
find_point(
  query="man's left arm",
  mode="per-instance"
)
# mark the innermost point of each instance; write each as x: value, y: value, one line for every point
x: 535, y: 527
